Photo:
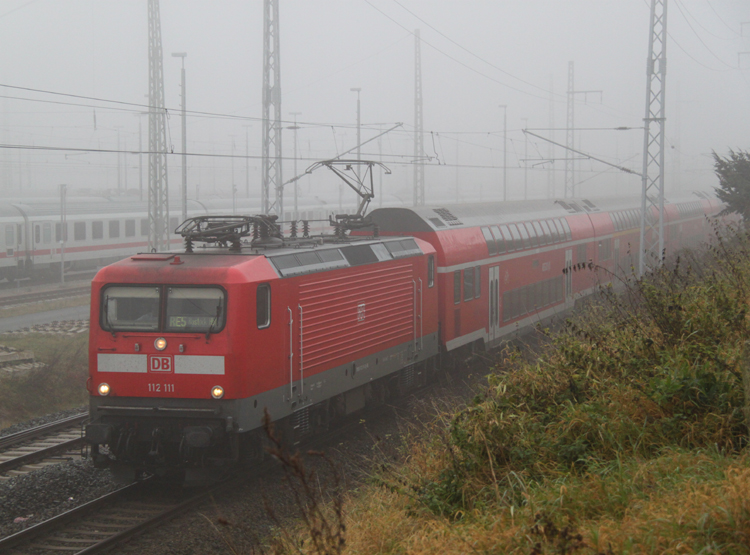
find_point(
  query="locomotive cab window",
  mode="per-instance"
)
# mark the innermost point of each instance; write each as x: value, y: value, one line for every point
x: 263, y: 306
x: 195, y: 309
x: 128, y: 308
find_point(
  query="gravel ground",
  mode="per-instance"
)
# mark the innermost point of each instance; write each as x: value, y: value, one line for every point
x: 42, y: 420
x: 29, y: 499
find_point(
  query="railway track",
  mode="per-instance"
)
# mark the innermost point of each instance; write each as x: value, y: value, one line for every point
x: 37, y: 296
x: 113, y: 518
x: 34, y: 448
x: 98, y: 525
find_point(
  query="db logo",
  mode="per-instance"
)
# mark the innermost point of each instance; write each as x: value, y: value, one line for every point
x: 160, y: 363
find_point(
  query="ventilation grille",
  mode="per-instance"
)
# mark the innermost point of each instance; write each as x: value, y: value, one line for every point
x: 446, y: 214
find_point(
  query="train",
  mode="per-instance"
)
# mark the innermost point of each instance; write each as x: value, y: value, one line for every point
x: 191, y: 351
x: 98, y: 231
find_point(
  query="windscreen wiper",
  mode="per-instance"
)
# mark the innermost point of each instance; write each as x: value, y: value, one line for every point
x: 106, y: 316
x: 215, y: 321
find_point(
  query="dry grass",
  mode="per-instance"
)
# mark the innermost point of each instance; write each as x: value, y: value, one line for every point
x: 61, y: 385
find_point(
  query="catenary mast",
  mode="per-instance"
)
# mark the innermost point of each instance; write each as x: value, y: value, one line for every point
x: 570, y: 180
x: 272, y: 192
x: 158, y: 191
x: 418, y: 125
x: 652, y: 197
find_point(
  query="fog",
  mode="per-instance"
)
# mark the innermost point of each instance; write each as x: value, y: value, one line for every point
x: 475, y: 57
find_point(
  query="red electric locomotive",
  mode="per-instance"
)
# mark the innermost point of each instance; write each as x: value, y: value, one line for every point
x: 188, y: 350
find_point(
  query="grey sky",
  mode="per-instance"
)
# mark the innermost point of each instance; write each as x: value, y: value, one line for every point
x: 476, y: 56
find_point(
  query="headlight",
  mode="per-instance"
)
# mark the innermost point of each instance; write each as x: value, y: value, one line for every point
x: 160, y: 344
x: 217, y: 392
x: 103, y: 389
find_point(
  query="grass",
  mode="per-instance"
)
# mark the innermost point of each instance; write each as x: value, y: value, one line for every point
x: 627, y: 433
x: 58, y: 386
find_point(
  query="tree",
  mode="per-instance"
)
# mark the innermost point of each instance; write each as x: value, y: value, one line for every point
x: 733, y: 172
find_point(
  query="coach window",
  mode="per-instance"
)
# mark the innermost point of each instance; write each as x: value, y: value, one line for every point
x: 47, y: 233
x: 144, y: 227
x: 97, y: 230
x: 10, y: 240
x: 114, y: 229
x: 491, y: 246
x: 553, y: 230
x: 501, y: 249
x: 517, y: 243
x: 565, y: 225
x: 37, y: 234
x: 79, y: 231
x: 581, y: 254
x: 468, y: 284
x: 540, y: 233
x: 524, y: 235
x: 548, y: 237
x: 263, y: 306
x: 533, y: 239
x: 560, y: 230
x: 477, y: 281
x: 430, y: 271
x: 129, y: 228
x: 457, y: 287
x: 508, y: 238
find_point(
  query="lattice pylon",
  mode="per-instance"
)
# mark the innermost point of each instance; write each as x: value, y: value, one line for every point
x: 272, y: 192
x: 418, y: 124
x: 652, y: 198
x: 158, y: 188
x: 570, y: 178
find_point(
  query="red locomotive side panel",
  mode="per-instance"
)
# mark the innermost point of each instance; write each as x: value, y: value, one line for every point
x: 343, y: 317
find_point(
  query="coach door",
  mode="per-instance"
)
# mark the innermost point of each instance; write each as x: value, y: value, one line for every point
x: 568, y: 274
x: 493, y: 327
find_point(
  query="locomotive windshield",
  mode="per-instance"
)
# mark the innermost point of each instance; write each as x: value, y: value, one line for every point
x: 130, y: 308
x: 185, y: 309
x: 197, y: 309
